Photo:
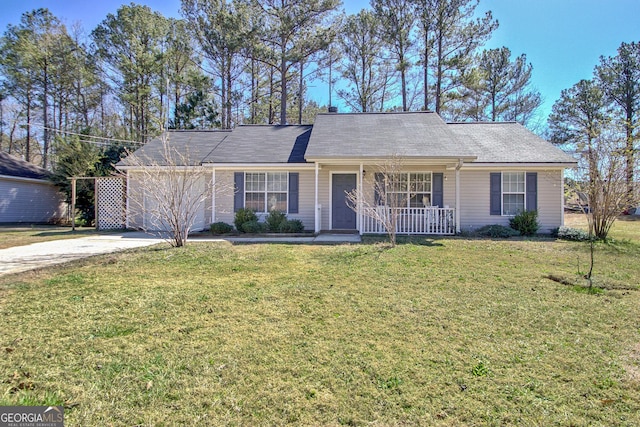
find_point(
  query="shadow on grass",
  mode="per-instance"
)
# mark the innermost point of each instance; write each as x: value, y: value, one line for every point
x: 405, y: 240
x: 579, y: 284
x: 68, y: 232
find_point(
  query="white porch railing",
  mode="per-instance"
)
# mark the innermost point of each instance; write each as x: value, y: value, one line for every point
x: 430, y: 220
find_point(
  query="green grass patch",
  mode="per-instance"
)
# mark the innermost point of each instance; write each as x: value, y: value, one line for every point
x: 11, y: 236
x: 437, y: 332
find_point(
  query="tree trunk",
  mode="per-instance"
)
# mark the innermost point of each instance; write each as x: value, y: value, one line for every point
x: 223, y: 93
x: 271, y: 118
x: 301, y: 93
x: 439, y: 77
x: 254, y: 95
x: 45, y: 115
x: 403, y: 77
x: 283, y: 86
x: 426, y: 73
x: 27, y: 154
x: 229, y: 93
x: 629, y: 152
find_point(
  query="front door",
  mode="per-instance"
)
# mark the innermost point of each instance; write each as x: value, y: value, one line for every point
x: 343, y: 218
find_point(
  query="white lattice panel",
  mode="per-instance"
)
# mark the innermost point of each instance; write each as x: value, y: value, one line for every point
x: 110, y: 203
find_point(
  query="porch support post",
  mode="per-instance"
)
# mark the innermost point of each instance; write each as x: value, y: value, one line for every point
x: 213, y: 196
x: 317, y: 206
x: 458, y: 195
x: 126, y: 209
x: 360, y: 193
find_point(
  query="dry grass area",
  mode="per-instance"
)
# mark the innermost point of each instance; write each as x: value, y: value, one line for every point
x: 11, y: 236
x: 443, y: 332
x: 626, y: 227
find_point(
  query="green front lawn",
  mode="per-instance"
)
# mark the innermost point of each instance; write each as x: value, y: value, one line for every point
x: 11, y: 235
x: 435, y: 332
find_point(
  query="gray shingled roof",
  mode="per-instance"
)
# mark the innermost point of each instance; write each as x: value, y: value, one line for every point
x: 193, y: 146
x: 263, y: 144
x: 507, y: 143
x: 377, y: 135
x: 358, y: 136
x: 13, y: 166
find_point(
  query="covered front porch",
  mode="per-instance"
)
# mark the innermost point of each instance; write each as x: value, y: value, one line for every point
x: 429, y: 220
x: 348, y: 197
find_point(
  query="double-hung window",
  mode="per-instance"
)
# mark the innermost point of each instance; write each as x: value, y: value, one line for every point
x: 419, y: 190
x: 266, y: 191
x: 513, y: 193
x: 409, y: 190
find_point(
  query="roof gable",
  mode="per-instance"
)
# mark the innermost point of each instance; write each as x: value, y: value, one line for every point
x: 263, y: 144
x: 187, y: 147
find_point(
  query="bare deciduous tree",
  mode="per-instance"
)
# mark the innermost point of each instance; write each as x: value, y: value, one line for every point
x: 601, y: 189
x: 389, y: 183
x: 168, y: 190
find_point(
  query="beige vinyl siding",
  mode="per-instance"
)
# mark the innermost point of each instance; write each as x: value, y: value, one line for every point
x: 306, y: 199
x: 223, y: 200
x: 24, y: 200
x: 474, y: 198
x: 135, y: 201
x: 140, y: 207
x: 225, y: 197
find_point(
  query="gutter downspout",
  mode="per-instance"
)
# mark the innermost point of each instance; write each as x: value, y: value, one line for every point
x: 460, y: 163
x: 213, y: 196
x: 317, y: 207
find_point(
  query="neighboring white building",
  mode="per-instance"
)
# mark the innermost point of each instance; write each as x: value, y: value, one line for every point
x: 26, y: 193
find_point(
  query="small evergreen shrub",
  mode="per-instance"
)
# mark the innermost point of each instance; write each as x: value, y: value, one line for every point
x: 497, y: 231
x: 242, y: 216
x: 574, y: 234
x: 525, y: 222
x: 220, y: 228
x: 291, y: 226
x: 274, y: 221
x: 253, y: 227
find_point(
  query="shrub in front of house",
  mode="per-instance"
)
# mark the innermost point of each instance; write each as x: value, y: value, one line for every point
x: 253, y: 227
x: 568, y: 233
x: 291, y: 226
x: 274, y: 220
x: 497, y: 231
x: 220, y: 228
x: 243, y: 216
x: 525, y: 222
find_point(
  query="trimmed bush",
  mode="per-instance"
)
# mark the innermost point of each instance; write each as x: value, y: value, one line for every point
x: 243, y: 216
x: 525, y: 222
x: 274, y: 221
x: 253, y: 227
x: 497, y: 231
x: 574, y: 234
x: 220, y: 228
x: 291, y: 226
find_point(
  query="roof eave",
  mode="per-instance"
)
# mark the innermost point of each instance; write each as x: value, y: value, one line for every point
x: 495, y: 165
x: 430, y: 160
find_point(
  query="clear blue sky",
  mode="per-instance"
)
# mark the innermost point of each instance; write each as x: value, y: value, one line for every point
x: 563, y: 39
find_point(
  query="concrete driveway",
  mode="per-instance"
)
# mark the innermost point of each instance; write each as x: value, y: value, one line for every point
x: 37, y: 255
